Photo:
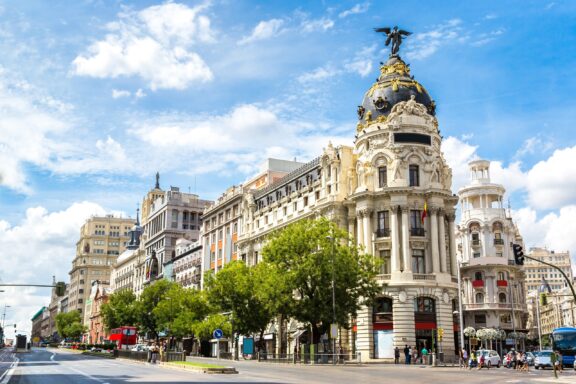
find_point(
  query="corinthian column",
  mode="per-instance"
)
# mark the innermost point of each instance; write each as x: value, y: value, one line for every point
x: 368, y: 230
x: 406, y: 240
x: 360, y: 228
x: 434, y: 240
x: 452, y: 236
x: 395, y: 254
x: 442, y: 234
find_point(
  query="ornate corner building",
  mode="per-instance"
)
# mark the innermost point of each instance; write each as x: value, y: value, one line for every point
x: 493, y: 292
x: 392, y: 191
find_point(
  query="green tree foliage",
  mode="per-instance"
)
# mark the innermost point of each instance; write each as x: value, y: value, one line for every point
x: 180, y: 309
x: 236, y: 289
x: 120, y: 309
x: 204, y: 329
x: 151, y: 296
x: 69, y: 325
x: 307, y: 254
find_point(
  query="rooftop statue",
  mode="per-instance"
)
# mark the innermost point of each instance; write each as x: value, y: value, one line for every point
x: 395, y: 36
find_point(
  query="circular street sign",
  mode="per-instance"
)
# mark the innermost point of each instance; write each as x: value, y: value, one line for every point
x: 217, y: 333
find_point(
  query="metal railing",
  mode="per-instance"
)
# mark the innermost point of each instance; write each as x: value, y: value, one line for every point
x: 417, y: 232
x: 424, y: 276
x: 327, y: 358
x: 383, y: 232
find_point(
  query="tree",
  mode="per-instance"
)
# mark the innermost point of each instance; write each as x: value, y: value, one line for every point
x: 309, y: 254
x: 120, y: 309
x: 69, y: 325
x: 204, y: 329
x: 153, y: 294
x: 247, y: 293
x: 180, y: 309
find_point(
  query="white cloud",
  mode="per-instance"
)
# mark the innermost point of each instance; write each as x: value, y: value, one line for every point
x: 356, y: 9
x: 118, y: 93
x: 323, y: 24
x: 485, y: 38
x: 424, y: 44
x: 551, y: 183
x: 238, y: 139
x: 43, y: 245
x: 140, y: 93
x: 154, y: 44
x: 264, y: 30
x: 319, y: 74
x: 458, y: 154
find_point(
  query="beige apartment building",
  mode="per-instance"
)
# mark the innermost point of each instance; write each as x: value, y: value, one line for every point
x: 102, y: 239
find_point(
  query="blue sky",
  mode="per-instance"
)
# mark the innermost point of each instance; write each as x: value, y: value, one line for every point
x: 96, y: 96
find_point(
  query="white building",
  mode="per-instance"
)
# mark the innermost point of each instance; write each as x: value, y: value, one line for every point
x: 493, y: 294
x: 187, y: 265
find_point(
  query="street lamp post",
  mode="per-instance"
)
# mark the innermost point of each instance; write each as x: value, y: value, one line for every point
x: 460, y: 314
x: 544, y: 288
x: 333, y: 300
x: 4, y: 315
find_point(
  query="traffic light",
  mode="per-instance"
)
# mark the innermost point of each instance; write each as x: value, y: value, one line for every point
x: 518, y: 254
x: 60, y: 288
x: 543, y: 299
x: 440, y: 333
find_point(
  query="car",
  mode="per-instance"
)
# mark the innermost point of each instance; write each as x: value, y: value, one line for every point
x: 491, y: 357
x: 43, y: 345
x: 139, y: 348
x: 542, y: 360
x: 95, y: 349
x: 530, y: 358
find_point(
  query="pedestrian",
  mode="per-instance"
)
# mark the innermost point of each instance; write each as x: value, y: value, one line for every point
x: 559, y: 361
x: 154, y: 351
x: 424, y: 355
x: 472, y: 360
x: 396, y: 355
x: 554, y: 361
x: 414, y: 355
x: 406, y: 354
x: 463, y: 358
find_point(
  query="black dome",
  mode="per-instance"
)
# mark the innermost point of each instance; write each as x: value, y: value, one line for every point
x: 393, y: 86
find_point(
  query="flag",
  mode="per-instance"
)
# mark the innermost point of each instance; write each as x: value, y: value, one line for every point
x: 424, y: 212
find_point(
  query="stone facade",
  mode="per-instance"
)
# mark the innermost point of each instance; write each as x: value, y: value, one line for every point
x: 392, y: 192
x: 493, y: 294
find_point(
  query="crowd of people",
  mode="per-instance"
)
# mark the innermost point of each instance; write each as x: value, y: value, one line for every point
x: 412, y: 355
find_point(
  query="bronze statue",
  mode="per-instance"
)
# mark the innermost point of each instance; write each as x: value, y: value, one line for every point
x: 394, y: 36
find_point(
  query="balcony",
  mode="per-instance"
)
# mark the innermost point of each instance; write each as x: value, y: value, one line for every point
x: 484, y: 306
x: 478, y: 283
x: 382, y: 232
x: 501, y: 283
x: 475, y: 243
x: 498, y: 241
x: 417, y: 231
x: 423, y: 276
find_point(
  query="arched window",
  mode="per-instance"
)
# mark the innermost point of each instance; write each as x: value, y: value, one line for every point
x: 478, y: 276
x: 479, y: 298
x: 502, y: 298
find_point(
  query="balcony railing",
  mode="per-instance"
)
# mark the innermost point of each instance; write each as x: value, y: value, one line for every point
x: 475, y: 243
x: 505, y: 306
x: 424, y: 276
x: 478, y: 283
x: 383, y: 232
x: 498, y: 241
x: 501, y: 283
x: 417, y: 231
x: 384, y: 276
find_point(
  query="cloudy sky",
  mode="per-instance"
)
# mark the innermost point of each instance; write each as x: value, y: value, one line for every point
x: 96, y: 96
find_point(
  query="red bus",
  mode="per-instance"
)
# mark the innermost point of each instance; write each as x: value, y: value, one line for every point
x: 124, y: 336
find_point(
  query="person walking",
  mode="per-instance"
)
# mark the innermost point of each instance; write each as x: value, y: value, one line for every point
x: 463, y: 358
x: 414, y: 354
x: 554, y: 361
x: 424, y: 355
x: 406, y: 354
x: 396, y: 355
x: 154, y: 353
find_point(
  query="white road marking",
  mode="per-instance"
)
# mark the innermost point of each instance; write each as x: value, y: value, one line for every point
x: 5, y: 378
x: 52, y: 357
x: 86, y: 375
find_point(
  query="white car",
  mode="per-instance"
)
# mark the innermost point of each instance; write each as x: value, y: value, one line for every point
x: 491, y: 358
x: 139, y: 348
x: 542, y: 360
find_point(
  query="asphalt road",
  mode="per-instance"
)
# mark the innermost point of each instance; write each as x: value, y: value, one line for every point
x: 52, y: 366
x: 6, y: 360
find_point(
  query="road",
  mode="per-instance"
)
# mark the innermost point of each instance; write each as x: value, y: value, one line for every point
x: 52, y: 366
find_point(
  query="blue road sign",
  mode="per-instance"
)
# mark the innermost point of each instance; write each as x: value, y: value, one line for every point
x: 217, y: 333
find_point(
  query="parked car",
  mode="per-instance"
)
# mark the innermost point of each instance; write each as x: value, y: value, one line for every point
x: 491, y: 357
x: 542, y: 360
x: 530, y: 358
x: 95, y: 349
x: 139, y: 348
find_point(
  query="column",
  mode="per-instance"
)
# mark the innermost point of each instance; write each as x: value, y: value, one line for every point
x: 434, y: 240
x: 368, y: 231
x: 452, y: 237
x: 360, y: 228
x: 442, y: 234
x: 395, y: 251
x: 485, y: 239
x: 406, y: 240
x: 351, y: 228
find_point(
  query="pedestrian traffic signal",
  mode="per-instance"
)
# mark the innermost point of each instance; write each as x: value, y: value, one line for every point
x: 440, y: 333
x: 518, y: 254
